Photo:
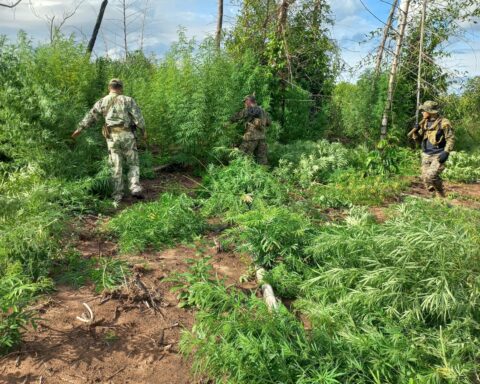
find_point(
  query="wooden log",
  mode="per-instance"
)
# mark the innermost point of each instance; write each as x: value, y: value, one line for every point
x: 267, y: 291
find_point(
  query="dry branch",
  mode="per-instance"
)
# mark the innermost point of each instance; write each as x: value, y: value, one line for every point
x: 267, y: 290
x: 10, y: 5
x: 91, y: 317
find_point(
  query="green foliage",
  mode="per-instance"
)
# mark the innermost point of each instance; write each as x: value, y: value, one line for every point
x: 392, y: 303
x: 239, y: 186
x: 355, y: 188
x: 105, y: 273
x: 156, y: 224
x: 463, y: 167
x: 270, y: 233
x: 189, y: 295
x: 16, y: 292
x: 237, y: 340
x: 321, y: 160
x: 285, y: 282
x: 398, y: 294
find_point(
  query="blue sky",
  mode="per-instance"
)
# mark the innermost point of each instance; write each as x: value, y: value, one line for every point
x: 352, y: 23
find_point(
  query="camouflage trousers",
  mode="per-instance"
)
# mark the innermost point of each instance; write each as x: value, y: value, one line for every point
x: 122, y: 149
x: 256, y: 148
x: 431, y: 173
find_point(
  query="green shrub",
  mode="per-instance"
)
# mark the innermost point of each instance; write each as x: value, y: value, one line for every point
x: 105, y: 273
x: 321, y: 160
x: 463, y: 167
x: 16, y: 292
x: 163, y: 222
x: 285, y: 282
x: 239, y: 186
x: 271, y: 233
x: 347, y: 188
x: 237, y: 339
x: 401, y: 295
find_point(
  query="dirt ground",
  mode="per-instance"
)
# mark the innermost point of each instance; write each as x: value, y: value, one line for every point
x: 129, y: 342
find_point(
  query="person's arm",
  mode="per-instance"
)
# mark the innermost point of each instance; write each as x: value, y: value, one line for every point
x: 239, y: 116
x: 137, y: 117
x: 450, y: 140
x: 449, y: 135
x: 90, y: 118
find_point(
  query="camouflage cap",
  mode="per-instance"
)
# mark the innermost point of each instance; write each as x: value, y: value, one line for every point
x: 251, y: 98
x: 116, y: 83
x: 430, y: 107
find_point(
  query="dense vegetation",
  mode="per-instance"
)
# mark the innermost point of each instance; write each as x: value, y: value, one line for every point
x: 393, y: 302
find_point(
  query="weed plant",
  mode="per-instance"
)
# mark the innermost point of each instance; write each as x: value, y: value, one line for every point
x: 163, y: 222
x: 106, y: 274
x: 463, y: 167
x: 239, y: 187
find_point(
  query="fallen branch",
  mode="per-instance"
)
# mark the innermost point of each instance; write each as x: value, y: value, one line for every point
x: 115, y: 373
x: 91, y: 316
x: 267, y: 290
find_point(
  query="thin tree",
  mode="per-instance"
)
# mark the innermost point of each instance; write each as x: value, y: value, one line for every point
x: 282, y: 19
x: 218, y: 35
x: 124, y: 18
x: 420, y: 57
x: 54, y: 23
x: 404, y: 8
x: 93, y: 39
x: 144, y: 22
x: 386, y: 31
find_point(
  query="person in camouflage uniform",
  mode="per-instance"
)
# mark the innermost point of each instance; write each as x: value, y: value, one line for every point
x: 256, y: 121
x: 121, y: 114
x: 435, y: 133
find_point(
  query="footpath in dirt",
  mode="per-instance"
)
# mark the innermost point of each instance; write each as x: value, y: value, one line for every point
x: 135, y: 335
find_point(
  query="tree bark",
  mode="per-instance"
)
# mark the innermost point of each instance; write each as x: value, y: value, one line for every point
x: 281, y: 30
x: 404, y: 8
x: 124, y: 9
x: 218, y: 36
x: 387, y: 28
x: 420, y: 58
x: 93, y: 39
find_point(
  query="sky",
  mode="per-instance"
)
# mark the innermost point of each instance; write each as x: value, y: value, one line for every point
x: 353, y: 22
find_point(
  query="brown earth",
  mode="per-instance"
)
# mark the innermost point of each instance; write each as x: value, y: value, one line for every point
x: 129, y: 341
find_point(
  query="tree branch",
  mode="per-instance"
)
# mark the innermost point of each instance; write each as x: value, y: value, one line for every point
x: 11, y: 5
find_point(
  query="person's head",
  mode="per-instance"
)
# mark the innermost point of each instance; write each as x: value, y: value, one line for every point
x: 429, y: 109
x: 115, y: 85
x: 250, y: 101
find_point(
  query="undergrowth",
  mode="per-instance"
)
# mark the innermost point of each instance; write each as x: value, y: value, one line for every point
x: 386, y: 303
x: 163, y: 222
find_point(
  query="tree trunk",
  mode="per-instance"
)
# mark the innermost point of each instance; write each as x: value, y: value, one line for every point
x: 420, y: 58
x: 218, y: 36
x: 404, y: 7
x: 281, y: 29
x: 93, y: 39
x: 386, y: 30
x: 124, y: 9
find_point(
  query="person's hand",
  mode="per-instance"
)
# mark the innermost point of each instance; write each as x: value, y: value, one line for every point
x: 443, y: 157
x: 75, y: 134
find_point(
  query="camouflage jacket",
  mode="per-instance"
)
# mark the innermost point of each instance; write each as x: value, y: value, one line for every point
x: 256, y: 121
x: 117, y: 110
x: 436, y: 135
